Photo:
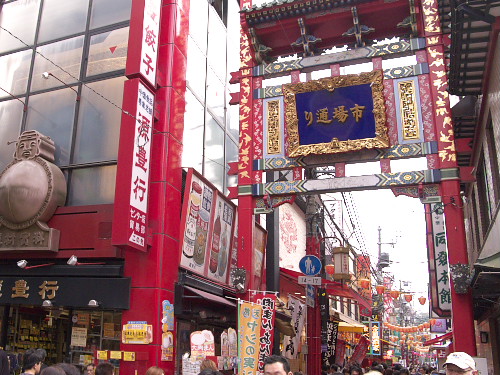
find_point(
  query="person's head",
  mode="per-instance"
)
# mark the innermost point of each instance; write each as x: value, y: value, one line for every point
x: 208, y: 364
x: 42, y: 352
x: 155, y: 370
x: 335, y: 367
x: 104, y: 368
x: 52, y: 370
x: 68, y: 368
x: 276, y: 365
x: 32, y: 361
x: 89, y: 369
x: 460, y: 363
x: 210, y: 372
x: 404, y: 371
x: 356, y: 370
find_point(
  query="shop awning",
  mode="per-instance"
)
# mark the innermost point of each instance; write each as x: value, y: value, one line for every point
x: 210, y: 296
x: 435, y: 340
x: 350, y: 327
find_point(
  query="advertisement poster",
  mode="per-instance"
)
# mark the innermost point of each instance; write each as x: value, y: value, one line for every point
x: 249, y: 325
x: 78, y: 336
x: 202, y: 344
x: 137, y: 333
x: 268, y: 303
x: 207, y: 225
x: 298, y: 310
x: 220, y: 246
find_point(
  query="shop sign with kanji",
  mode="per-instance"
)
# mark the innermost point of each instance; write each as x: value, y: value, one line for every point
x: 337, y: 114
x: 144, y: 24
x: 441, y: 257
x: 132, y: 191
x: 249, y: 328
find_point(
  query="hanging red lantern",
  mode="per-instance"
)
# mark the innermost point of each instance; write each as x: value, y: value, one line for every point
x: 380, y: 289
x: 422, y: 300
x: 364, y: 283
x: 330, y: 269
x: 408, y: 297
x: 394, y: 294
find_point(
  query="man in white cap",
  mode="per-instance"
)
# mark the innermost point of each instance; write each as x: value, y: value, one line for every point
x: 460, y: 363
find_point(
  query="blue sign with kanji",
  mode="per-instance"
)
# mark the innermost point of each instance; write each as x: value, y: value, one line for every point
x: 310, y: 265
x: 344, y: 113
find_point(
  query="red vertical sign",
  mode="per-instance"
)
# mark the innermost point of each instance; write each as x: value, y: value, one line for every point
x: 130, y: 221
x: 143, y: 47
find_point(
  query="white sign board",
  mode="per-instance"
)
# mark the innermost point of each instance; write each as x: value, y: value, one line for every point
x: 78, y: 336
x: 150, y: 33
x: 139, y: 188
x: 309, y: 280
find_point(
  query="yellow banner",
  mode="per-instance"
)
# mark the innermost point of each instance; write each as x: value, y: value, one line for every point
x: 249, y: 322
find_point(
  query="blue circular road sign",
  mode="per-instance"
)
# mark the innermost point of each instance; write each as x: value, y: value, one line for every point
x: 310, y: 265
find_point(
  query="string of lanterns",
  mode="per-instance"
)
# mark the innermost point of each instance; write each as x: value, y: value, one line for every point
x: 395, y: 294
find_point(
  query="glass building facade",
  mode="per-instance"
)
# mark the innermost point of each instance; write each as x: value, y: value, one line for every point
x: 62, y: 67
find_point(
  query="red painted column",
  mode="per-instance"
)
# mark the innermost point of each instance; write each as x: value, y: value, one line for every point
x: 462, y: 314
x: 246, y: 217
x: 153, y: 274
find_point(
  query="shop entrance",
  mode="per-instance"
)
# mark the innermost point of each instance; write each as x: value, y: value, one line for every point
x: 67, y: 335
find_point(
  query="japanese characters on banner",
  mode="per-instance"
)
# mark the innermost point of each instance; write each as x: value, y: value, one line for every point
x: 144, y: 24
x: 202, y: 344
x: 268, y: 303
x: 328, y: 356
x: 206, y: 230
x: 298, y: 310
x: 131, y: 220
x: 438, y: 255
x: 249, y: 325
x: 360, y: 351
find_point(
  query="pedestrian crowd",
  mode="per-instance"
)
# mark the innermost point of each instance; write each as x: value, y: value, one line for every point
x: 33, y: 364
x: 456, y: 363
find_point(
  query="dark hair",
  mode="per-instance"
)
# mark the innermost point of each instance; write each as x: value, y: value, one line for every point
x: 4, y: 363
x: 52, y: 370
x: 31, y: 358
x: 277, y: 359
x: 210, y: 372
x: 404, y: 371
x: 68, y: 368
x: 42, y: 352
x: 335, y: 367
x: 104, y: 368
